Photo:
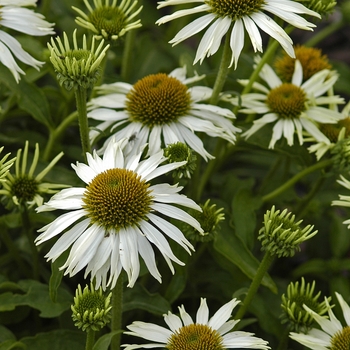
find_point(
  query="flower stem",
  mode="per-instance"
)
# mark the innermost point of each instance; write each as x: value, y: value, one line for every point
x: 127, y: 55
x: 260, y: 273
x: 295, y: 178
x: 56, y: 133
x: 325, y: 33
x: 117, y: 305
x: 90, y: 339
x: 80, y: 96
x: 222, y: 72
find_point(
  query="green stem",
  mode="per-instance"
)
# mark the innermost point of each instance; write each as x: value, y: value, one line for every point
x: 56, y: 133
x: 254, y: 286
x: 27, y: 230
x: 324, y: 33
x: 90, y: 339
x: 283, y: 342
x: 295, y: 178
x: 222, y: 72
x: 117, y: 305
x: 127, y: 55
x: 81, y: 95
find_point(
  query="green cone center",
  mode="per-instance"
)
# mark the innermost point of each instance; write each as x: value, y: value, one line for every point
x: 117, y: 198
x: 195, y: 337
x: 235, y: 9
x: 288, y: 101
x: 341, y: 340
x: 24, y: 188
x: 158, y: 99
x: 108, y: 20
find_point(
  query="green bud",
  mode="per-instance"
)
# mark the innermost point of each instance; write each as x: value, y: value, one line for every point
x: 209, y: 219
x: 281, y: 235
x: 91, y: 309
x: 77, y: 66
x: 323, y: 7
x: 179, y: 152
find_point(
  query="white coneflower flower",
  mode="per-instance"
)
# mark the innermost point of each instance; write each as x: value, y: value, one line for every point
x: 344, y: 200
x: 205, y: 333
x: 249, y: 15
x: 160, y: 107
x: 292, y: 106
x: 333, y: 335
x: 109, y: 21
x: 117, y: 216
x: 14, y: 16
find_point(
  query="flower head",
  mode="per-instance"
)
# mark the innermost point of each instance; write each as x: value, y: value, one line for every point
x: 14, y: 16
x: 333, y: 335
x: 292, y: 106
x: 281, y: 235
x: 91, y: 308
x: 205, y: 333
x: 117, y: 216
x: 298, y: 318
x: 310, y: 58
x: 76, y: 66
x: 24, y: 188
x: 249, y: 15
x: 109, y: 21
x: 161, y: 109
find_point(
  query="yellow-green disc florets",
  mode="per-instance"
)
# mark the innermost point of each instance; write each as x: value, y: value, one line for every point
x: 288, y: 101
x: 299, y: 294
x: 109, y: 21
x: 179, y: 152
x: 311, y: 59
x: 91, y: 308
x: 195, y: 337
x: 117, y: 198
x: 281, y: 235
x: 341, y: 339
x: 209, y: 218
x: 158, y: 99
x: 235, y: 9
x: 76, y: 66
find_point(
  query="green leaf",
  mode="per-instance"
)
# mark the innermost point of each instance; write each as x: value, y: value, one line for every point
x: 176, y: 286
x: 56, y: 340
x: 104, y: 342
x: 31, y: 99
x: 6, y: 334
x: 36, y: 295
x: 244, y: 205
x: 232, y: 248
x: 12, y: 345
x: 139, y: 298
